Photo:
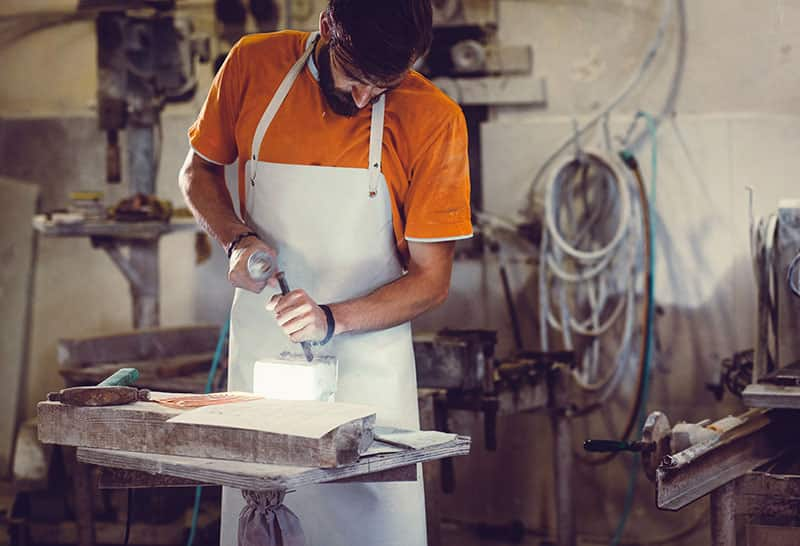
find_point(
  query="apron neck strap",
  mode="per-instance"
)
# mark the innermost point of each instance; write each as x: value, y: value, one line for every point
x: 376, y: 144
x: 376, y: 124
x: 279, y: 96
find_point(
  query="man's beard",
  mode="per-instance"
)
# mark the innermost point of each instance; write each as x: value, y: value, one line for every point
x: 340, y: 102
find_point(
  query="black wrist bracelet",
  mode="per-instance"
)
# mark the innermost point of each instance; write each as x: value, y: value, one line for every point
x: 238, y: 239
x: 331, y: 324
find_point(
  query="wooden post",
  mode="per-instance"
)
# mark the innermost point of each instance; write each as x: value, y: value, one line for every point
x: 430, y: 471
x: 83, y: 490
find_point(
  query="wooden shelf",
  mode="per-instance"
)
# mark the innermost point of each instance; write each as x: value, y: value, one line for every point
x: 110, y: 228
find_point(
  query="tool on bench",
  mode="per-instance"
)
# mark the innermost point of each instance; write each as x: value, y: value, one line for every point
x: 605, y: 446
x: 259, y: 266
x: 112, y: 391
x: 290, y: 376
x: 660, y: 440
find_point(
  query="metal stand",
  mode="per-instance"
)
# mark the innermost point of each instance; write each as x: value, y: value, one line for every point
x: 562, y: 461
x: 723, y: 510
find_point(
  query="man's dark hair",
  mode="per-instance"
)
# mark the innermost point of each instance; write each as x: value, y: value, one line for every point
x: 381, y: 38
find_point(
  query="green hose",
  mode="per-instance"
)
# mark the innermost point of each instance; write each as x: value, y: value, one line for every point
x: 634, y: 469
x: 198, y: 491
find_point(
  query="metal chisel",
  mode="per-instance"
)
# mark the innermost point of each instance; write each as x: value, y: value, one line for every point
x: 260, y: 265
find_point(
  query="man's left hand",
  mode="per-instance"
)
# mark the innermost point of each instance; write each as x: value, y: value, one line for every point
x: 299, y: 316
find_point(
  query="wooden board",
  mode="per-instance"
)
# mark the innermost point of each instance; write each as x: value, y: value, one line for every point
x: 16, y: 253
x: 261, y: 477
x: 31, y: 459
x: 311, y: 434
x: 190, y: 383
x: 182, y: 373
x: 138, y: 345
x: 121, y: 478
x: 108, y: 228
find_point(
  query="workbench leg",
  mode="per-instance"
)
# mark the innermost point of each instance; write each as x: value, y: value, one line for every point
x: 562, y: 463
x: 723, y: 510
x: 431, y: 475
x: 83, y: 489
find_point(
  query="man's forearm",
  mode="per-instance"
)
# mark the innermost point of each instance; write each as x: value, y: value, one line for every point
x: 417, y: 292
x: 205, y: 193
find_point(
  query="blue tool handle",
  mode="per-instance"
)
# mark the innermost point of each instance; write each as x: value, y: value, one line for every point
x: 285, y: 290
x: 120, y: 378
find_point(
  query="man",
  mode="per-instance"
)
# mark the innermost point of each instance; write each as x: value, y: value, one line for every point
x: 352, y: 173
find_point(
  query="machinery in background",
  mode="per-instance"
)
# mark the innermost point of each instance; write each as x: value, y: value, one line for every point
x: 776, y: 366
x: 146, y: 58
x: 749, y: 464
x: 462, y: 368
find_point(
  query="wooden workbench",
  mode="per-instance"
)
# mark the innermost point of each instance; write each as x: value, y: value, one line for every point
x: 144, y: 444
x: 379, y: 463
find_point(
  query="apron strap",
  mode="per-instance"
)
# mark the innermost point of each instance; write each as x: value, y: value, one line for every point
x: 376, y: 125
x: 278, y: 98
x: 376, y: 144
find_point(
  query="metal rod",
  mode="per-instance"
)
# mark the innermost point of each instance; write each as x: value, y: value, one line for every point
x: 512, y: 310
x: 285, y: 290
x: 141, y: 159
x: 562, y: 463
x: 144, y: 260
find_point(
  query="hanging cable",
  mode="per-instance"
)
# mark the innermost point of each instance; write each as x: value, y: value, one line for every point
x: 649, y: 324
x: 198, y: 491
x: 644, y: 67
x: 637, y: 411
x: 596, y: 276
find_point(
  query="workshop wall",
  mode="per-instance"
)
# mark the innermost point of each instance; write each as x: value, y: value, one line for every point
x: 737, y: 124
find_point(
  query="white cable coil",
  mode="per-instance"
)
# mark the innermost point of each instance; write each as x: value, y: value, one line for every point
x: 593, y: 275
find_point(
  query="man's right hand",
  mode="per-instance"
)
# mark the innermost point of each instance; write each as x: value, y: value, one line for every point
x: 237, y: 265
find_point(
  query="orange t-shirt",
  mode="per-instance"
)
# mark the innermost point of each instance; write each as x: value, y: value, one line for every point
x: 424, y: 141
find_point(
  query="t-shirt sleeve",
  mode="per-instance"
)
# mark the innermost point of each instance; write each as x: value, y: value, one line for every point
x: 213, y: 134
x: 437, y: 207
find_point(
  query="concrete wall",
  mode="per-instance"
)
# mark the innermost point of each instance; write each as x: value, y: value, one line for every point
x: 736, y: 124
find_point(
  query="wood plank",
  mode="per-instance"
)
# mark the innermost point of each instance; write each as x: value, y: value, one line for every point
x: 169, y: 366
x: 92, y: 375
x: 31, y: 459
x: 120, y: 478
x: 137, y: 345
x: 771, y: 396
x: 490, y: 90
x: 262, y: 431
x: 149, y: 230
x: 16, y: 252
x: 260, y: 477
